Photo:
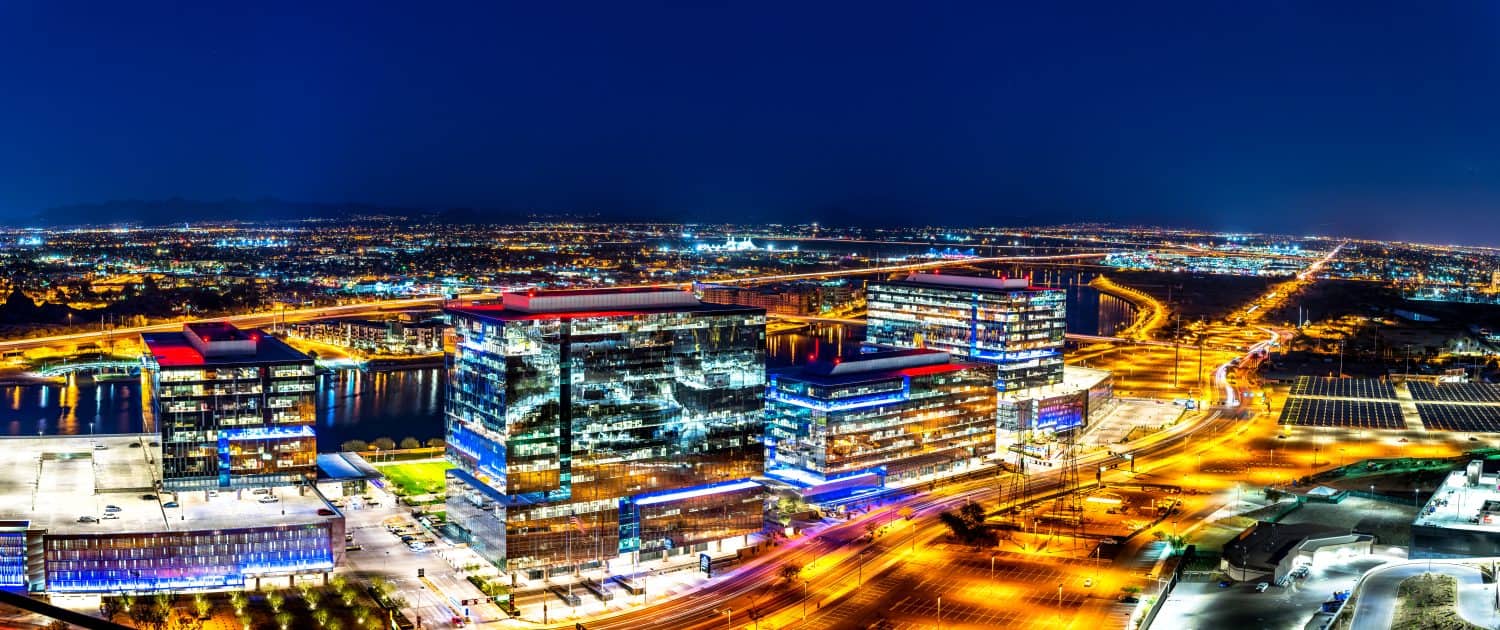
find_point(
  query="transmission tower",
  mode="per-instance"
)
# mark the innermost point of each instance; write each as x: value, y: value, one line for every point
x: 1017, y: 491
x: 1069, y: 503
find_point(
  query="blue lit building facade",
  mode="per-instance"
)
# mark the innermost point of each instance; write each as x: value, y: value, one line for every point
x: 193, y: 560
x: 892, y: 416
x: 1017, y: 327
x: 235, y: 408
x: 583, y: 425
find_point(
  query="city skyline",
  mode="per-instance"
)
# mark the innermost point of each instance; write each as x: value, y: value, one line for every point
x: 1281, y: 118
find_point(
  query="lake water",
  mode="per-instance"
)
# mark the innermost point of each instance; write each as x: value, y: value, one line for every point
x: 409, y: 403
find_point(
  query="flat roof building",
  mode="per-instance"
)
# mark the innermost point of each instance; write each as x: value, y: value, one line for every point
x: 895, y: 415
x: 583, y: 425
x: 1017, y: 327
x: 1462, y: 517
x: 70, y: 507
x: 235, y: 408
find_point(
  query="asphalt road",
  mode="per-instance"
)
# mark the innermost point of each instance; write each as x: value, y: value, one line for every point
x: 1375, y: 603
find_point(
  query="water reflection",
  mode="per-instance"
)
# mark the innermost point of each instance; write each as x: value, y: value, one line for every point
x: 355, y: 406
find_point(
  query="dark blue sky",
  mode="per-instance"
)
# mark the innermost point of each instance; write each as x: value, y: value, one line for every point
x: 1360, y: 118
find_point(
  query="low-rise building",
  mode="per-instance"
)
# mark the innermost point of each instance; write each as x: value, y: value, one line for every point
x: 879, y: 417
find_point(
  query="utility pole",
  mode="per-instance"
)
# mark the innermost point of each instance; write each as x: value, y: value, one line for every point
x: 1176, y: 349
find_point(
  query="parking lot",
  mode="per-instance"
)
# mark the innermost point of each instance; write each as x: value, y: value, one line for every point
x: 1022, y: 591
x: 382, y: 553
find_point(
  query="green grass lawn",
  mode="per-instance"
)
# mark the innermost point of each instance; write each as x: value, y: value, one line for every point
x: 416, y: 477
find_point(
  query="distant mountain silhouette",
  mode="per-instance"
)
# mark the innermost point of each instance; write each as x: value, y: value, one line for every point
x: 178, y: 210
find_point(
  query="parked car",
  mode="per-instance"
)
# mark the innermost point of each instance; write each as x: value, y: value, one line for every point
x: 1261, y: 588
x: 148, y: 497
x: 325, y: 512
x: 87, y: 519
x: 269, y: 499
x: 1223, y: 583
x: 170, y: 504
x: 111, y: 508
x: 111, y: 515
x: 135, y: 445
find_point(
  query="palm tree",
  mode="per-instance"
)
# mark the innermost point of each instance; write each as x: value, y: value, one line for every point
x: 276, y: 599
x: 321, y: 616
x: 312, y: 596
x: 202, y: 605
x: 284, y: 619
x: 238, y: 600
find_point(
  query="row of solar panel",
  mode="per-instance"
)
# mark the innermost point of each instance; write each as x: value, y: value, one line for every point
x: 1355, y: 414
x: 1343, y: 388
x: 1383, y: 415
x: 1455, y: 392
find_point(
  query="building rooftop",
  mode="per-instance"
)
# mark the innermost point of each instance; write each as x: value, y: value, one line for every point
x: 970, y: 282
x: 871, y: 366
x: 52, y: 481
x: 593, y: 303
x: 217, y: 343
x: 1457, y: 505
x: 1265, y: 544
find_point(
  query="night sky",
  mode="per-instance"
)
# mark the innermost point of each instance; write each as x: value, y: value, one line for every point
x: 1348, y: 118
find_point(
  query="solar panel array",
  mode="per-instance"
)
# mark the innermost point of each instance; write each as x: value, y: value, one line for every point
x: 1343, y: 388
x: 1454, y: 392
x: 1462, y: 418
x: 1317, y: 412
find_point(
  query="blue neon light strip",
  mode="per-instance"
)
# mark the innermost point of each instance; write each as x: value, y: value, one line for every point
x: 699, y: 491
x: 257, y: 433
x: 842, y: 404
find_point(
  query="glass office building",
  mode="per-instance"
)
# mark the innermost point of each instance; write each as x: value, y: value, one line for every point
x: 235, y: 408
x: 587, y: 424
x: 1017, y: 327
x: 885, y: 416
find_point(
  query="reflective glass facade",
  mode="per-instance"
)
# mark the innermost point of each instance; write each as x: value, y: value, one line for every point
x: 1019, y: 329
x: 927, y: 419
x: 13, y: 555
x: 559, y: 422
x: 235, y: 421
x: 188, y: 560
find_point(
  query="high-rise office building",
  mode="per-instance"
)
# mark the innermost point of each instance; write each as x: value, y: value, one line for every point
x: 894, y: 416
x: 584, y: 425
x: 235, y: 408
x: 1017, y: 327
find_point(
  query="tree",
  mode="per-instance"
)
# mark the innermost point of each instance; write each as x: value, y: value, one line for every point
x: 148, y: 615
x: 321, y: 616
x: 384, y: 444
x: 354, y: 446
x: 109, y: 607
x: 238, y: 600
x: 435, y: 443
x: 789, y: 571
x: 410, y: 443
x: 338, y: 582
x: 202, y: 605
x: 967, y: 524
x: 312, y: 596
x: 276, y: 599
x: 284, y: 619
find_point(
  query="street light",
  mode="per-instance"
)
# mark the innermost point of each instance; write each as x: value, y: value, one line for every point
x: 729, y: 616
